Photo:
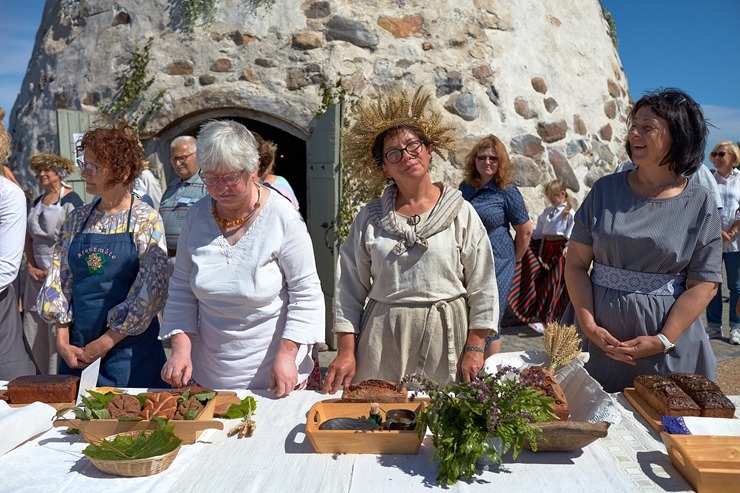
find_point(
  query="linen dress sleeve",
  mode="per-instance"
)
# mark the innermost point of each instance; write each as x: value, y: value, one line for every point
x: 353, y: 277
x: 706, y: 262
x: 478, y: 265
x: 584, y: 220
x: 148, y: 293
x: 569, y: 222
x: 514, y: 206
x: 54, y: 302
x: 305, y: 319
x: 181, y: 311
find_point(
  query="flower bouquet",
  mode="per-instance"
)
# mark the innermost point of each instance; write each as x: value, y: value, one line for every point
x: 465, y: 419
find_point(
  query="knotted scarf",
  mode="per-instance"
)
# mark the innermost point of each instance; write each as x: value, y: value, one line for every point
x: 383, y: 213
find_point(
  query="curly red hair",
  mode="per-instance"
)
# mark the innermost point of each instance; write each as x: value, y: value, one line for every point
x: 504, y: 173
x: 118, y: 149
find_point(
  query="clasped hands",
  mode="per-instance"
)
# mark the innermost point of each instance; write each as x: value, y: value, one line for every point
x: 80, y: 358
x: 625, y: 351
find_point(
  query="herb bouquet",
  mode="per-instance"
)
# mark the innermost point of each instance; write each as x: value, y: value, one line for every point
x: 463, y: 417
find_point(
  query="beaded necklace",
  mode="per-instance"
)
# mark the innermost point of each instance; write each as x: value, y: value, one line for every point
x: 224, y: 223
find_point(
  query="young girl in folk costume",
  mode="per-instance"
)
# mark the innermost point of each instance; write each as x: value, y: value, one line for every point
x: 538, y: 293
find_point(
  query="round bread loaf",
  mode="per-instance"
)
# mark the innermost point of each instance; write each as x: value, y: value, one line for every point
x: 124, y: 405
x: 159, y: 404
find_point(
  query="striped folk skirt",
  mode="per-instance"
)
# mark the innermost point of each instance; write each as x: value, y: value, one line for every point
x: 538, y: 292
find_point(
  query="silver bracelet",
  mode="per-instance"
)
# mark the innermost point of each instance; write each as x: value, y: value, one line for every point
x: 476, y: 349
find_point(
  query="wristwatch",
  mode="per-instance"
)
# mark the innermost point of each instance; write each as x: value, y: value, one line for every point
x: 668, y: 346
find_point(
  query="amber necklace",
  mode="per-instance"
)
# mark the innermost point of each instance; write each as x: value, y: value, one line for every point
x: 224, y: 223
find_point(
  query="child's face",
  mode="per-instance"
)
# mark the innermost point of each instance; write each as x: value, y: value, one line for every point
x: 557, y: 198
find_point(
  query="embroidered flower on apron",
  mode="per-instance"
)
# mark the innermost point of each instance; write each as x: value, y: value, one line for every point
x: 95, y: 263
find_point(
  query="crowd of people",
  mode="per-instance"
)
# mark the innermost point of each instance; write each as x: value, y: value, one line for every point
x: 221, y: 265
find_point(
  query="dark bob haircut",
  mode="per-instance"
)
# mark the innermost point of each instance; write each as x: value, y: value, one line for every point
x: 686, y: 125
x: 117, y: 148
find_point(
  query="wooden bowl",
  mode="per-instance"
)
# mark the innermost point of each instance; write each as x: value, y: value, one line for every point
x: 561, y: 436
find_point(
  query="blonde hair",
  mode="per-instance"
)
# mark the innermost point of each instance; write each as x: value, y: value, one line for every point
x: 732, y: 148
x: 555, y: 187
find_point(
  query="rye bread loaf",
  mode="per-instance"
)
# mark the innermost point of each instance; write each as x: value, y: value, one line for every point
x: 539, y: 378
x: 375, y: 391
x: 43, y: 388
x: 707, y: 394
x: 665, y: 396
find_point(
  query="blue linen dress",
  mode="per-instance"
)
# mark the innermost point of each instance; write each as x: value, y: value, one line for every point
x: 677, y: 236
x: 499, y: 210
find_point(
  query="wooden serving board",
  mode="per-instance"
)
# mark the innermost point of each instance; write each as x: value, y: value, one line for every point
x: 709, y: 463
x: 647, y: 412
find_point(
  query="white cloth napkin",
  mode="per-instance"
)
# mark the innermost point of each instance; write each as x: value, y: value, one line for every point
x: 20, y: 424
x: 712, y: 426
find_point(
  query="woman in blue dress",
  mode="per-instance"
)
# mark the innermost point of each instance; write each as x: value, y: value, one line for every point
x: 488, y: 186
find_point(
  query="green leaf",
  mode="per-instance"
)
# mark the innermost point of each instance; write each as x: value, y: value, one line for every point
x: 135, y: 446
x: 244, y: 409
x: 100, y: 413
x: 72, y: 431
x: 205, y: 396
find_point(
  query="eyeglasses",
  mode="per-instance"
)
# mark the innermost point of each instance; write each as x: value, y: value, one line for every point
x: 413, y: 149
x: 89, y: 167
x: 229, y: 179
x: 483, y: 159
x: 717, y: 154
x: 179, y: 159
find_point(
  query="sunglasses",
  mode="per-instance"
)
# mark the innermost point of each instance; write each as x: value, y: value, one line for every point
x: 717, y: 154
x: 483, y: 159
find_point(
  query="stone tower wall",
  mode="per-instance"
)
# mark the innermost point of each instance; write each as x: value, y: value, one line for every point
x: 543, y: 76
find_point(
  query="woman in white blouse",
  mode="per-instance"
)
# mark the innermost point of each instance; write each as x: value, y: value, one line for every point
x: 245, y: 304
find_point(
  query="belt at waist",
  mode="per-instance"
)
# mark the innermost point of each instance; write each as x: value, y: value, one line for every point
x: 171, y: 252
x: 554, y: 237
x: 637, y: 282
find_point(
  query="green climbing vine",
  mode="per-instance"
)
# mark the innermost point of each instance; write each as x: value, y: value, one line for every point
x: 609, y: 18
x: 354, y: 193
x: 130, y: 101
x: 194, y: 11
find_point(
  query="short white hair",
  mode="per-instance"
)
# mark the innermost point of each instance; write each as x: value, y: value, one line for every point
x: 184, y: 139
x: 226, y: 145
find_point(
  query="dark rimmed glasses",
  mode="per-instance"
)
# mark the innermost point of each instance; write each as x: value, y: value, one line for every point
x: 89, y: 167
x: 229, y: 179
x: 413, y: 149
x: 181, y: 159
x: 718, y: 154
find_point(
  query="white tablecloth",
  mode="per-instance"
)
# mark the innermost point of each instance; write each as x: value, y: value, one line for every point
x: 280, y: 458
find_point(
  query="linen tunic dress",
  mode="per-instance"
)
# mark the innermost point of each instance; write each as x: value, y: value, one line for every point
x: 420, y: 304
x: 677, y: 236
x: 499, y: 209
x: 241, y: 300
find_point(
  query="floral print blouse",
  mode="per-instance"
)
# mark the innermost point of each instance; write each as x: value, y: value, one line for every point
x: 147, y: 295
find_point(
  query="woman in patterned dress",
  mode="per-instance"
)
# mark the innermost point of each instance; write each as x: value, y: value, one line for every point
x: 108, y: 278
x: 645, y: 253
x: 488, y: 187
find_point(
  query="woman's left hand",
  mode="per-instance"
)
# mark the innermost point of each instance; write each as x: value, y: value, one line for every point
x: 96, y: 349
x: 639, y: 347
x: 284, y: 373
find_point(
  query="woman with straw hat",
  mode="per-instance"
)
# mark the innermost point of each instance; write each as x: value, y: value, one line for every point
x: 45, y: 220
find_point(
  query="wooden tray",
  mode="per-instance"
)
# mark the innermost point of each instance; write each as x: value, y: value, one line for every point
x: 647, y: 412
x: 708, y: 463
x: 95, y: 430
x: 360, y: 442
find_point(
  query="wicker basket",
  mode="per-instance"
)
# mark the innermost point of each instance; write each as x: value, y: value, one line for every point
x: 136, y: 467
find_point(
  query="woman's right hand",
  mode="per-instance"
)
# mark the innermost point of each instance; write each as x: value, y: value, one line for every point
x: 339, y: 373
x: 72, y: 355
x: 601, y: 337
x: 178, y: 370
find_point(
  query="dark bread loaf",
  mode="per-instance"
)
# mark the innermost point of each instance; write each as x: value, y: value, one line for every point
x: 375, y: 391
x: 665, y: 396
x: 542, y: 380
x: 707, y: 394
x: 43, y: 388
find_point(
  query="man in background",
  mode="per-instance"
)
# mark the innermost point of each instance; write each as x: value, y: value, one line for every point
x: 181, y: 193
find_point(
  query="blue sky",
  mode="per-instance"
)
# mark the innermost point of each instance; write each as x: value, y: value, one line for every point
x: 689, y: 44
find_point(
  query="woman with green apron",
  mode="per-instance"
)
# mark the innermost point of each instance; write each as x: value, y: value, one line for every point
x: 108, y: 278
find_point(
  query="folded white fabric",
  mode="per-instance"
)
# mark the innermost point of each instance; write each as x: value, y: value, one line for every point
x: 712, y: 426
x: 20, y: 424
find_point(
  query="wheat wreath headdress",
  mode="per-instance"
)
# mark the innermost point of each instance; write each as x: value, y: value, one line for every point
x: 396, y: 110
